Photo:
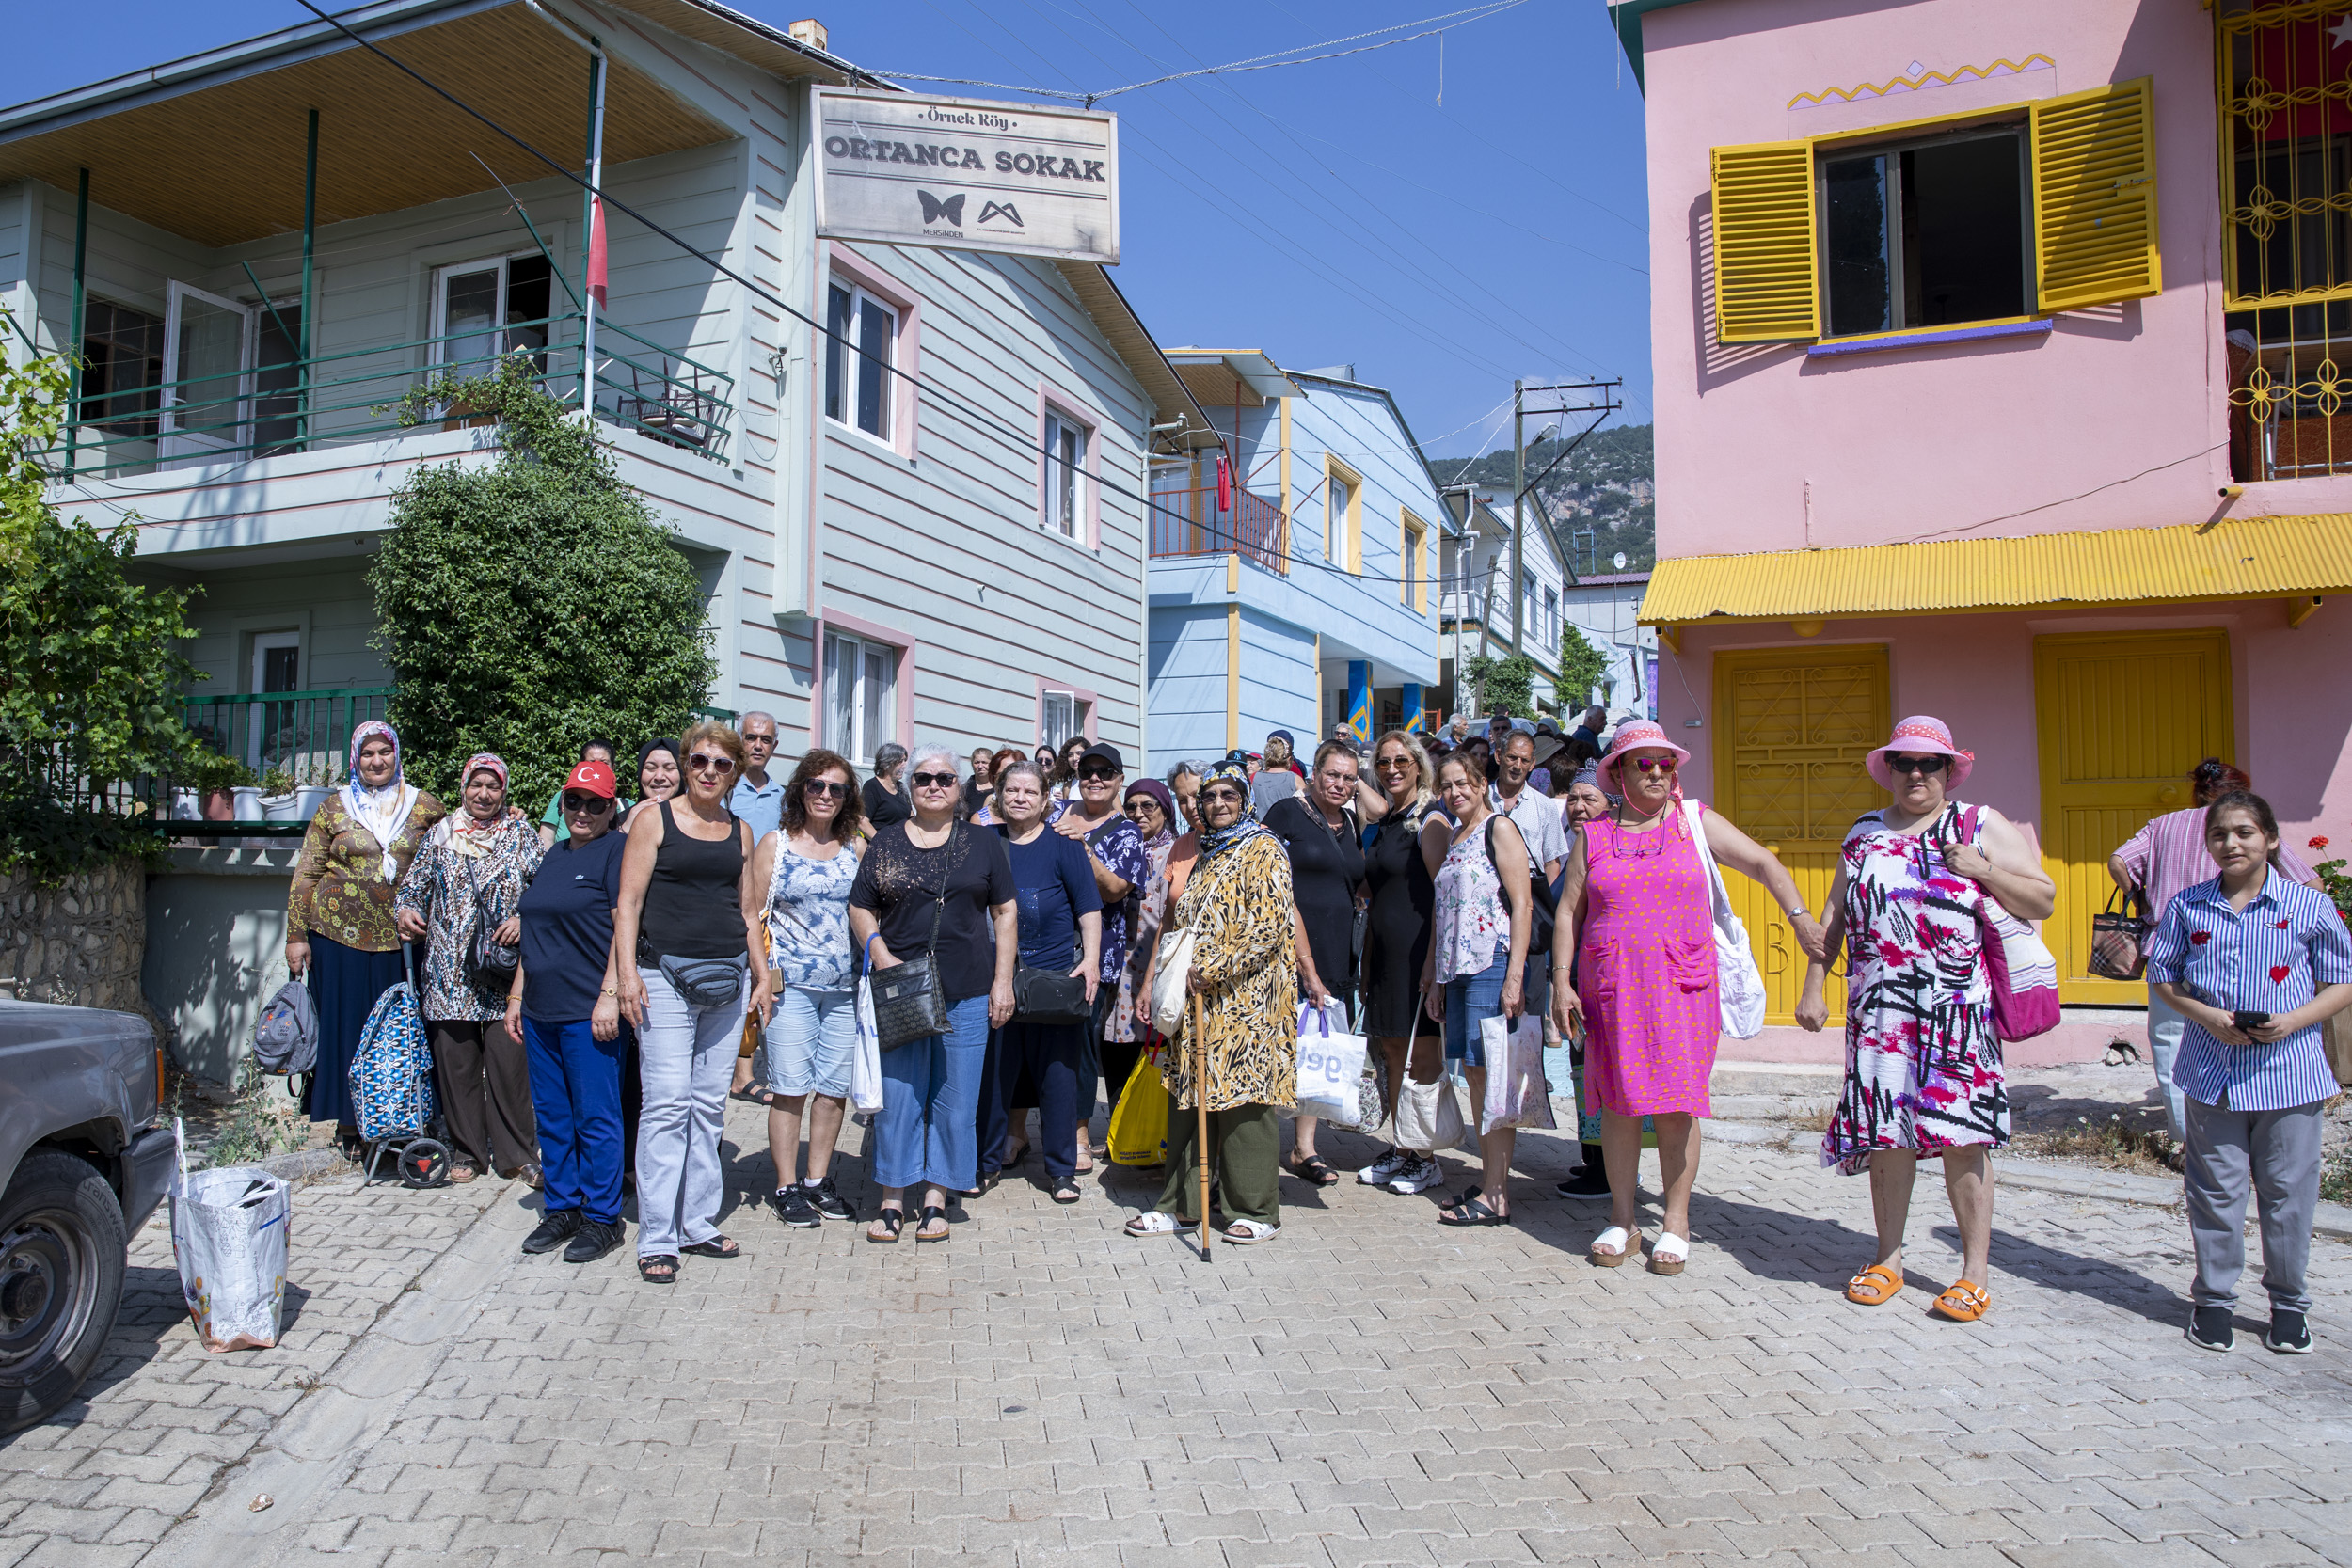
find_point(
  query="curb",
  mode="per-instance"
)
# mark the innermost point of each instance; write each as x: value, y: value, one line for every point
x: 305, y: 1165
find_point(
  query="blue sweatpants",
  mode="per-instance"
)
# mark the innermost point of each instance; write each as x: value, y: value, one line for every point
x: 576, y: 1093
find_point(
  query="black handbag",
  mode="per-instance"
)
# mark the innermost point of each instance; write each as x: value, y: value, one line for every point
x: 493, y: 961
x: 2119, y: 939
x: 1049, y: 996
x: 909, y: 1003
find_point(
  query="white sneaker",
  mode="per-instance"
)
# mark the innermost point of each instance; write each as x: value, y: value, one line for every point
x: 1377, y: 1173
x: 1418, y: 1176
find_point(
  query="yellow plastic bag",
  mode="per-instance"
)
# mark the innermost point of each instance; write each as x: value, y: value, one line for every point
x: 1139, y: 1121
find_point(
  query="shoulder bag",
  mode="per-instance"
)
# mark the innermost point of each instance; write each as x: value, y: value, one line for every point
x: 909, y: 1002
x: 1049, y: 996
x: 1172, y: 964
x: 1738, y: 984
x: 2119, y: 939
x: 2023, y: 970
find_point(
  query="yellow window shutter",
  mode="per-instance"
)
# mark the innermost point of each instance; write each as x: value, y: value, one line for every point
x: 1767, y: 287
x: 2094, y: 197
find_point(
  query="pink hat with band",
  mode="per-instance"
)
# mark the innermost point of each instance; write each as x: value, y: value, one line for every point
x: 1633, y: 736
x: 1921, y: 736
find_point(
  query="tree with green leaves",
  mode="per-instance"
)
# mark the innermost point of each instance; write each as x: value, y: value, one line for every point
x: 1507, y: 682
x: 91, y: 672
x: 534, y: 604
x: 1581, y: 665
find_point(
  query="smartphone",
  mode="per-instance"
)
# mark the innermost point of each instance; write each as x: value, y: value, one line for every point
x: 2248, y: 1022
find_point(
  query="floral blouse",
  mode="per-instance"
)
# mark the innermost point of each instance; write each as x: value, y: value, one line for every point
x: 338, y: 889
x: 1473, y: 919
x: 455, y: 882
x: 808, y: 918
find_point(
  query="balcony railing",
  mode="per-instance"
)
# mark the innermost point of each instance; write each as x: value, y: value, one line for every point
x: 334, y: 399
x: 1189, y: 522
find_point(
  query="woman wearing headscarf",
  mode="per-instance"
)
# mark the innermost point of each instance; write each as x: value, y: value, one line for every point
x: 1150, y: 806
x: 659, y: 777
x: 467, y: 882
x: 1245, y: 973
x: 339, y: 910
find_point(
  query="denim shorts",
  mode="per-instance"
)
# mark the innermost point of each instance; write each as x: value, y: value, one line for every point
x: 1470, y: 1001
x: 811, y: 1039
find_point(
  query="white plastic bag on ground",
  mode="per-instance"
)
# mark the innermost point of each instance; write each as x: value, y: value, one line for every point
x: 229, y: 1237
x: 1516, y: 1094
x: 1330, y: 1065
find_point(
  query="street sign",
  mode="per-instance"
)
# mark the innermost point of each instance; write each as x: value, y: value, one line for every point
x: 907, y: 168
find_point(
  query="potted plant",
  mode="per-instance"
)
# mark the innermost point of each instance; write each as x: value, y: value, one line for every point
x: 278, y: 794
x: 247, y: 790
x: 212, y: 779
x: 317, y: 785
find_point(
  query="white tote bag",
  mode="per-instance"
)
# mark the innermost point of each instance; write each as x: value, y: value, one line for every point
x: 1330, y: 1065
x: 1428, y: 1116
x: 1739, y: 982
x: 866, y: 1078
x: 1516, y: 1093
x: 1171, y: 966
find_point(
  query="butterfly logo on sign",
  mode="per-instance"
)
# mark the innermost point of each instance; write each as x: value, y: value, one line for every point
x: 949, y: 211
x: 1004, y: 210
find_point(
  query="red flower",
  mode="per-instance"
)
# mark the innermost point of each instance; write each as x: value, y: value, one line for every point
x: 2319, y: 841
x: 2279, y: 973
x: 2200, y: 938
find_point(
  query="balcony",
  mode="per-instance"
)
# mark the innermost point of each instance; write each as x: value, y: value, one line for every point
x: 328, y: 400
x: 1189, y: 522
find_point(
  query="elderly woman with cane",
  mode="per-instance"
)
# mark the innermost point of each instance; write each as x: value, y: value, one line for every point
x: 1236, y: 1056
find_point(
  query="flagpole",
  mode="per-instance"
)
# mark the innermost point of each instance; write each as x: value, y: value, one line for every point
x: 594, y: 273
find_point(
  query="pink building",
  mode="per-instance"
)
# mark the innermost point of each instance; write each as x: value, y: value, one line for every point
x: 1997, y: 350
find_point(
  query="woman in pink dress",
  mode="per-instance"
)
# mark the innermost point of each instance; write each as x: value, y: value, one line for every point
x: 1637, y: 922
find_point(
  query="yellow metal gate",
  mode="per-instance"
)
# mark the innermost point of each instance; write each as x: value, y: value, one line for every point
x: 2121, y: 718
x: 1791, y: 726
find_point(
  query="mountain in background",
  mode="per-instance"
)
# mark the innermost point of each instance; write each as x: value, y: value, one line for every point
x: 1602, y: 499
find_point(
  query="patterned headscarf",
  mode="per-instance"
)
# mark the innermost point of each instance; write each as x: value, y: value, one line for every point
x: 382, y: 810
x: 1215, y: 841
x: 464, y: 825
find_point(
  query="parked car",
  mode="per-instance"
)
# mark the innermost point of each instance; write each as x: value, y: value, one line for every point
x: 83, y: 1159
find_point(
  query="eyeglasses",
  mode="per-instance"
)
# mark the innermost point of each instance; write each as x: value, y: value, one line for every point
x: 1098, y: 771
x: 1919, y: 764
x: 827, y: 789
x: 720, y: 764
x: 933, y: 780
x: 586, y: 803
x: 1654, y: 765
x: 1393, y: 765
x: 1136, y: 808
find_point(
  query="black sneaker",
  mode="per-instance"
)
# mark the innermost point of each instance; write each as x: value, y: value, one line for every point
x: 793, y: 1208
x: 596, y: 1239
x: 2289, y: 1334
x: 828, y: 1201
x: 1590, y: 1180
x: 554, y: 1231
x: 2209, y: 1330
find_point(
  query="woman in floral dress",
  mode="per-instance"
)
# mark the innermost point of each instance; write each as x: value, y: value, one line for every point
x: 1923, y: 1066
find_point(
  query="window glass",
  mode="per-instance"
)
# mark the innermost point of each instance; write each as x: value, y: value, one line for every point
x: 1061, y: 719
x: 122, y: 353
x: 1065, y: 465
x: 874, y: 331
x: 275, y: 377
x: 1861, y: 298
x: 841, y: 704
x: 1933, y: 235
x: 877, y: 698
x: 838, y: 307
x: 469, y: 319
x: 1342, y: 495
x: 208, y: 385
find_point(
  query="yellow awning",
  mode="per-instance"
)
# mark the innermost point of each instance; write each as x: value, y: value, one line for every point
x: 2246, y: 557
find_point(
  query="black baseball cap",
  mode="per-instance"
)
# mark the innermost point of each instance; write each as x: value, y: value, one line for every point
x: 1105, y: 752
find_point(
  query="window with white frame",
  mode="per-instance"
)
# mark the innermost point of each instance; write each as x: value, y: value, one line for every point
x: 861, y: 695
x: 1339, y: 519
x: 1552, y: 617
x: 1063, y: 715
x: 860, y: 356
x: 482, y: 310
x: 1065, y: 475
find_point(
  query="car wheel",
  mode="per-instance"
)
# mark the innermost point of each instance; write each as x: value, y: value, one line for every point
x: 61, y: 1258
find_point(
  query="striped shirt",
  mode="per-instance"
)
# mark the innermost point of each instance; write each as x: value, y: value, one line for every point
x: 2269, y: 957
x: 2168, y: 857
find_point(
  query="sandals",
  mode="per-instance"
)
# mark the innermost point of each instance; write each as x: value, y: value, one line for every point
x: 1671, y: 1253
x: 1250, y: 1232
x: 1154, y: 1222
x: 718, y: 1246
x: 932, y: 1215
x: 752, y: 1094
x: 1471, y: 1211
x: 889, y: 1220
x: 1315, y: 1172
x: 1964, y: 1303
x: 658, y: 1269
x: 1874, y: 1286
x: 1623, y: 1243
x: 1067, y: 1192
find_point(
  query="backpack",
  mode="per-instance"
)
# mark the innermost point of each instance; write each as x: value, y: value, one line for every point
x: 391, y: 1071
x: 286, y: 1036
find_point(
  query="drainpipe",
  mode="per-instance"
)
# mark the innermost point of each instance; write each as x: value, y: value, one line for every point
x: 74, y: 354
x: 309, y: 305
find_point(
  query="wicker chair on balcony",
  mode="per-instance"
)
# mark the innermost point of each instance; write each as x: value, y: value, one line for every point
x: 680, y: 406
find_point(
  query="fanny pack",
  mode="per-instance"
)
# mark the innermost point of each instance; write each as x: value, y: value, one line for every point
x: 1049, y: 996
x: 707, y: 983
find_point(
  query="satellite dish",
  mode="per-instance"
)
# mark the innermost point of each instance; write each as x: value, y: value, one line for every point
x: 1621, y: 560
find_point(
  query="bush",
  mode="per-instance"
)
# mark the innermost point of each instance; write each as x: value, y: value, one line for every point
x: 532, y: 605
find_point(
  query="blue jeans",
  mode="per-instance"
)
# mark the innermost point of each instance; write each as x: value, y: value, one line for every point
x: 1047, y: 1057
x: 1470, y: 1001
x: 810, y: 1041
x: 2164, y: 1044
x: 925, y: 1133
x: 575, y: 1094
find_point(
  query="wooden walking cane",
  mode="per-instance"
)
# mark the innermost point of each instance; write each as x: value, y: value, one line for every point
x: 1200, y: 1101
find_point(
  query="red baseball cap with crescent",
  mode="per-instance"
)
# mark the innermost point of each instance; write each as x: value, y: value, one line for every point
x: 595, y: 777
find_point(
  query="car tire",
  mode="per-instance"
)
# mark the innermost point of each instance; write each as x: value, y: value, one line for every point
x: 62, y: 1249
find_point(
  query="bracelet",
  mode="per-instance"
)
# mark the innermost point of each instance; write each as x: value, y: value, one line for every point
x: 1800, y: 912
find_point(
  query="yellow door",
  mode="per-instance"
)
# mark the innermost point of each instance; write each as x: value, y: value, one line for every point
x: 1791, y: 726
x: 2121, y: 717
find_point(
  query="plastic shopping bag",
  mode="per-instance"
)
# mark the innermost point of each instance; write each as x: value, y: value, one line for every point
x: 1516, y: 1094
x: 866, y: 1078
x: 1330, y: 1065
x: 1139, y: 1120
x: 229, y: 1237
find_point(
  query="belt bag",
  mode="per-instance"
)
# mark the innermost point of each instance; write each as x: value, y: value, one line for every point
x: 909, y: 1003
x: 707, y: 983
x: 1049, y: 996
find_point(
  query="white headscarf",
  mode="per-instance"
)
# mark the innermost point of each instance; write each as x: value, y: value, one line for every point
x: 382, y: 810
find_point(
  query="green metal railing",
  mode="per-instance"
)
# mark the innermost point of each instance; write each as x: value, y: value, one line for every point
x: 304, y: 734
x: 333, y: 398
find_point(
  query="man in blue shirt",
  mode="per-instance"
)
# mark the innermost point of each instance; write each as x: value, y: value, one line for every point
x: 757, y: 799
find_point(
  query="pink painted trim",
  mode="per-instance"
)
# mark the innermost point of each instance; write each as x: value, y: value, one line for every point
x: 840, y: 259
x: 873, y: 633
x: 1094, y: 710
x: 1052, y: 399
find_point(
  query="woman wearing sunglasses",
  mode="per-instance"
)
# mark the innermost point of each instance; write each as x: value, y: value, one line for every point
x: 1637, y: 931
x: 688, y: 917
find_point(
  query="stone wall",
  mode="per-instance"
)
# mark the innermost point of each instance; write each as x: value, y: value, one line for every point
x: 83, y: 941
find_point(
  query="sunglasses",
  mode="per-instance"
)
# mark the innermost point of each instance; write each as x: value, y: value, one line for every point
x: 702, y: 763
x: 1099, y: 770
x: 1919, y: 764
x: 826, y: 789
x: 933, y: 780
x: 1654, y: 765
x: 586, y: 803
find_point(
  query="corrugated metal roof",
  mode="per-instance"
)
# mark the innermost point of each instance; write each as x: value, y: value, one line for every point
x: 2235, y: 559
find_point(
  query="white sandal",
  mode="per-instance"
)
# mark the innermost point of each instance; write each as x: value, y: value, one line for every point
x: 1152, y: 1222
x: 1250, y: 1232
x: 1627, y: 1243
x: 1670, y: 1254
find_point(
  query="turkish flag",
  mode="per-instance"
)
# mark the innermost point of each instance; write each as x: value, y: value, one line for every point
x: 1224, y: 485
x: 2290, y: 75
x: 596, y: 251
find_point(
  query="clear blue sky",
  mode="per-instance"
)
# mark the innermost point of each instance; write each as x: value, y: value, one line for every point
x: 1329, y: 213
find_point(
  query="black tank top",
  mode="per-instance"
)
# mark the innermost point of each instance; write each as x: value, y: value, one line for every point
x: 692, y: 909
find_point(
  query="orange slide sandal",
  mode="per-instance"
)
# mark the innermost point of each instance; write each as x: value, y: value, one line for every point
x: 1874, y: 1286
x: 1964, y: 1303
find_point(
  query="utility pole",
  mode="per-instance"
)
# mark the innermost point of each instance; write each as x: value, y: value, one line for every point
x: 1518, y: 519
x: 1464, y: 548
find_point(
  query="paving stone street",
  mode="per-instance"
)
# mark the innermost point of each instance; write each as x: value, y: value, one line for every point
x: 1368, y: 1389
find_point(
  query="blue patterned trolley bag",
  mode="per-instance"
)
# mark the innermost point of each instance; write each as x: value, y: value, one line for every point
x: 391, y: 1088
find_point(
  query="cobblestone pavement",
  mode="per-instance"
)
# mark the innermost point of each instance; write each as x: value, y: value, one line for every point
x: 1368, y: 1389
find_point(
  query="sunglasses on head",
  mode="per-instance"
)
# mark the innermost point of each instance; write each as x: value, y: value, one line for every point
x: 826, y: 789
x: 701, y: 763
x: 574, y: 801
x: 1919, y: 764
x: 933, y: 780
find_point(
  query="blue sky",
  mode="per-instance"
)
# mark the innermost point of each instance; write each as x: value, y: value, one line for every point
x: 1329, y: 213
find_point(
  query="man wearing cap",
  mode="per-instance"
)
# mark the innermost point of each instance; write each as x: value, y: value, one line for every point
x: 1116, y: 855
